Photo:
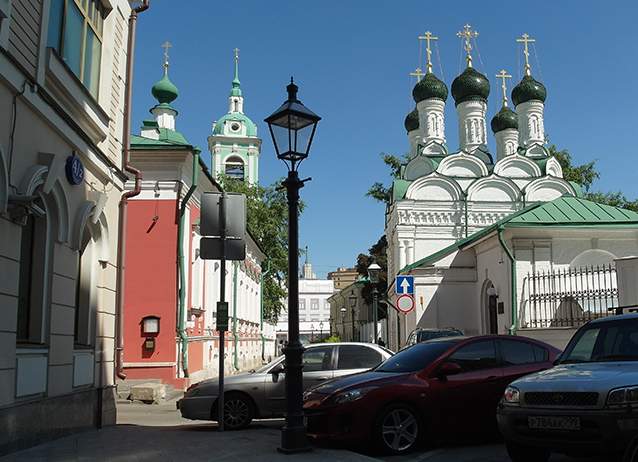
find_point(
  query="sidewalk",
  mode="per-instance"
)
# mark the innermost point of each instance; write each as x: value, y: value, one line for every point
x: 157, y: 433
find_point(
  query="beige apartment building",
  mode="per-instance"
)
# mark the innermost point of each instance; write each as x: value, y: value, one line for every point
x: 343, y: 277
x: 62, y: 78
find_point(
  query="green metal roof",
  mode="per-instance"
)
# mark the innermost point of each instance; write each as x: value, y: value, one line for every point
x: 562, y: 212
x: 573, y: 211
x: 166, y: 138
x: 399, y: 188
x: 251, y: 128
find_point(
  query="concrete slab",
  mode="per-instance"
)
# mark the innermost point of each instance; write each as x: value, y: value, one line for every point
x: 148, y: 392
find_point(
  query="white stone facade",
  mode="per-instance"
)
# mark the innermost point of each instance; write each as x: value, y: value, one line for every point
x: 58, y: 252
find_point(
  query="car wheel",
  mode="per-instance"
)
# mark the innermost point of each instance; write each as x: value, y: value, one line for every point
x: 397, y: 429
x: 520, y: 453
x: 238, y: 411
x: 631, y: 454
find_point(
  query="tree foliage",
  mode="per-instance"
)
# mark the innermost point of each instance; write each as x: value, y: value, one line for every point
x: 377, y: 254
x: 378, y: 191
x: 267, y: 222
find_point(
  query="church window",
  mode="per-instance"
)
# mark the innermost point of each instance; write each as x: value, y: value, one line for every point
x: 510, y: 148
x: 75, y: 33
x: 235, y: 168
x: 533, y: 122
x: 32, y: 276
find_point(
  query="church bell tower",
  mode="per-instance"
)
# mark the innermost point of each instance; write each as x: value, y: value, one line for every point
x: 234, y: 145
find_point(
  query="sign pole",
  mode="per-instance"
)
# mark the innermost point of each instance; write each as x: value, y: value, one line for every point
x: 222, y: 312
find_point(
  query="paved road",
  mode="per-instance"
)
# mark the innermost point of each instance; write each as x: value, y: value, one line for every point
x: 157, y: 432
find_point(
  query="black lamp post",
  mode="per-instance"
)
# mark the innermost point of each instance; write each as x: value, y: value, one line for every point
x: 343, y: 321
x: 374, y: 271
x: 292, y: 128
x: 320, y: 330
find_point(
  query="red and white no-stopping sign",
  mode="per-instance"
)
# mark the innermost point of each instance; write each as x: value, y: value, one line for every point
x: 405, y: 303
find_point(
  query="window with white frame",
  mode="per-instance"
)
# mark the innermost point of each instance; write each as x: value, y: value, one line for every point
x: 75, y: 32
x: 314, y: 304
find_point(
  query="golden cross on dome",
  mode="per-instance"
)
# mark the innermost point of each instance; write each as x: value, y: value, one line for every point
x: 166, y: 45
x: 503, y: 75
x: 467, y: 34
x: 428, y: 51
x: 418, y: 73
x: 525, y: 39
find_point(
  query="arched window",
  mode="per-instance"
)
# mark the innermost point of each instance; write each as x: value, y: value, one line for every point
x: 32, y: 276
x: 235, y: 168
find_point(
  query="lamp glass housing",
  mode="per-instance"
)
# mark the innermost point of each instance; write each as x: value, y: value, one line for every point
x: 292, y: 128
x: 374, y: 271
x: 150, y: 325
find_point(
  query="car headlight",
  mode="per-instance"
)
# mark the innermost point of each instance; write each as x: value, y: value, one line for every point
x: 351, y: 395
x: 623, y: 396
x: 512, y: 396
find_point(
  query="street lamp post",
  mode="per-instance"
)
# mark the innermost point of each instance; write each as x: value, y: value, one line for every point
x: 374, y: 271
x: 343, y: 322
x: 292, y: 128
x: 312, y: 333
x: 320, y: 330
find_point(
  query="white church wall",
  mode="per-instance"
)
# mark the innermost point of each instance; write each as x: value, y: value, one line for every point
x: 492, y: 265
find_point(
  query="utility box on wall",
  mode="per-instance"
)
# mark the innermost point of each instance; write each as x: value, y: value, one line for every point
x: 627, y: 278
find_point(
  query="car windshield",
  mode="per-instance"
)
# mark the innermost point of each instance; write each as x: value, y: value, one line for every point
x: 415, y: 357
x: 608, y: 341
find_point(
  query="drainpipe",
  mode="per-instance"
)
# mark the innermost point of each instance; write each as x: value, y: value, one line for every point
x: 262, y: 275
x: 127, y: 167
x: 512, y: 328
x: 235, y: 353
x: 181, y: 266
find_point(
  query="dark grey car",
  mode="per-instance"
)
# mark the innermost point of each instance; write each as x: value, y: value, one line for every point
x: 261, y: 393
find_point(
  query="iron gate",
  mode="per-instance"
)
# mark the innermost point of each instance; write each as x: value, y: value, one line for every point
x: 568, y: 297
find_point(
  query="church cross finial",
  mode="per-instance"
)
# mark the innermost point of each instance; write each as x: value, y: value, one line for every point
x: 503, y: 75
x: 525, y: 39
x: 166, y: 45
x: 467, y: 34
x: 418, y: 73
x: 428, y: 37
x: 236, y: 78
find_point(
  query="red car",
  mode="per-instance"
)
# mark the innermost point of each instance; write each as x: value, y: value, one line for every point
x: 447, y: 386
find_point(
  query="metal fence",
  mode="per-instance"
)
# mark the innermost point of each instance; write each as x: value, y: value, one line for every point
x: 568, y: 297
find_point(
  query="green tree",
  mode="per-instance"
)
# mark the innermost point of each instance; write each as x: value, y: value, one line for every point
x: 267, y: 222
x: 376, y: 253
x: 378, y: 191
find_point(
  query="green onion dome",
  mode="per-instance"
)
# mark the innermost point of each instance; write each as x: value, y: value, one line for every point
x: 471, y: 85
x: 429, y: 87
x: 504, y: 119
x: 164, y: 90
x: 412, y: 121
x: 528, y: 89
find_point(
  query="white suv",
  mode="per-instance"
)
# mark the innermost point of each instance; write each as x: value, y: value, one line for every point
x: 587, y: 403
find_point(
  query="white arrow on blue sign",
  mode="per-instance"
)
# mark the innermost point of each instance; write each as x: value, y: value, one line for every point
x: 404, y: 285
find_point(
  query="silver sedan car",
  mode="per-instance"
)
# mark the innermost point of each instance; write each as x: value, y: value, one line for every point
x: 262, y: 393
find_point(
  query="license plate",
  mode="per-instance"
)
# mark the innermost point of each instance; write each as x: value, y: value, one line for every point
x: 554, y: 423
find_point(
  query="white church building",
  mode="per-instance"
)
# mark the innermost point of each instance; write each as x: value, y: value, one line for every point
x: 497, y: 243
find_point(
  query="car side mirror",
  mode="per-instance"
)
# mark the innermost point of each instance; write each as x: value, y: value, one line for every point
x: 278, y: 369
x: 449, y: 369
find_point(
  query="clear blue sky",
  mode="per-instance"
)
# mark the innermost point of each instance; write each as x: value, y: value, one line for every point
x: 351, y: 60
